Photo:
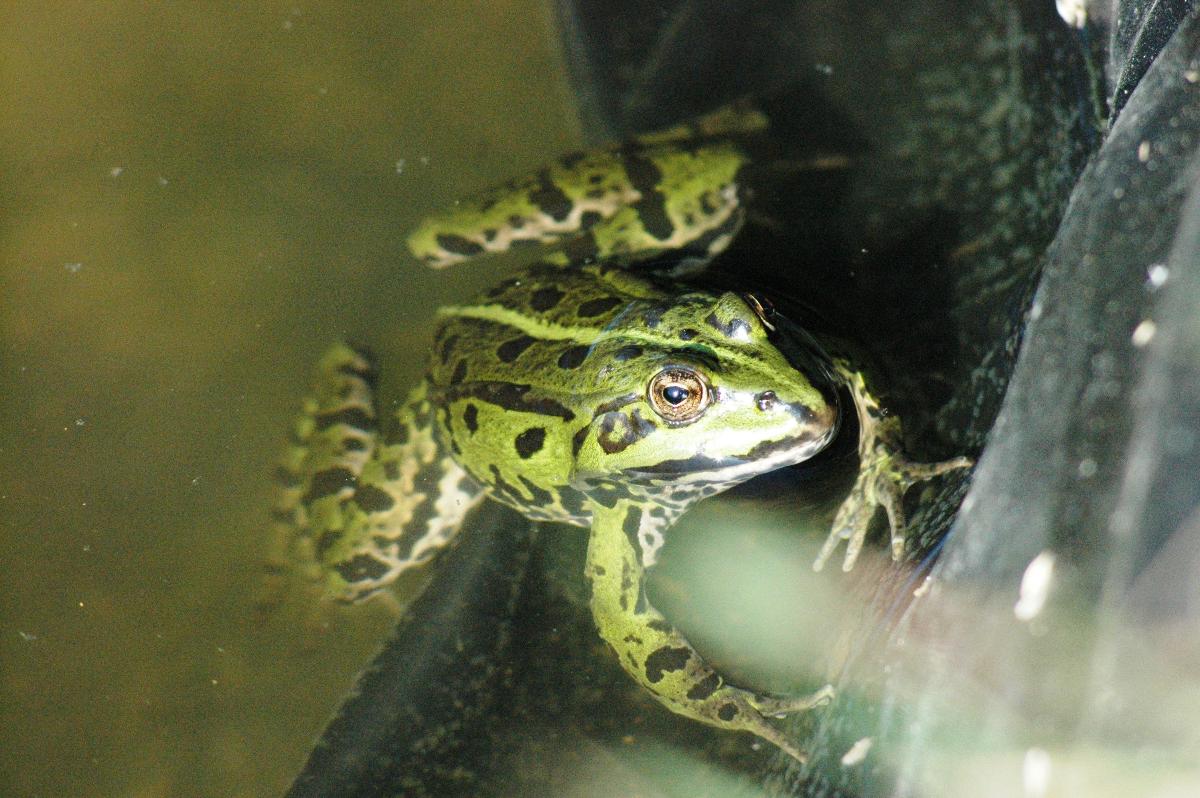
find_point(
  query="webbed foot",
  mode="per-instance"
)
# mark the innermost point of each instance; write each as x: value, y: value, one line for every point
x: 882, y: 481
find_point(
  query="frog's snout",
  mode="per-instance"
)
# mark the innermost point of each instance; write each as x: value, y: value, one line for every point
x: 815, y: 427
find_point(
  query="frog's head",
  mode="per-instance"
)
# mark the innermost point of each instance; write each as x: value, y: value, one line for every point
x: 702, y: 396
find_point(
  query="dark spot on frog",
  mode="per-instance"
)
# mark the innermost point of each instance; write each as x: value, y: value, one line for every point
x: 471, y: 418
x: 631, y: 638
x: 595, y: 193
x: 489, y: 235
x: 632, y: 428
x: 447, y: 348
x: 326, y: 540
x: 628, y: 352
x: 530, y: 442
x: 597, y: 307
x: 573, y: 159
x: 504, y: 287
x: 457, y: 245
x: 659, y: 625
x: 573, y: 358
x: 626, y: 585
x: 651, y: 209
x: 328, y: 482
x: 372, y: 499
x: 577, y: 441
x: 460, y: 372
x: 666, y: 660
x: 355, y: 417
x: 571, y: 500
x: 607, y: 494
x: 502, y: 487
x: 286, y: 477
x: 580, y: 249
x: 705, y: 687
x: 398, y: 434
x: 511, y: 396
x: 544, y: 299
x: 354, y: 445
x: 630, y: 526
x: 510, y: 350
x: 688, y: 334
x: 541, y: 498
x: 727, y: 712
x: 736, y: 328
x: 454, y: 447
x: 516, y: 222
x: 549, y: 198
x: 361, y: 568
x: 391, y: 470
x: 598, y: 570
x: 421, y: 516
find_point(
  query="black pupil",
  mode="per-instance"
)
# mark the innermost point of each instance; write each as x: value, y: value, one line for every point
x: 675, y: 394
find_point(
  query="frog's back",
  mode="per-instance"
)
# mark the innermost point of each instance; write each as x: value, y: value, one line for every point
x: 516, y: 376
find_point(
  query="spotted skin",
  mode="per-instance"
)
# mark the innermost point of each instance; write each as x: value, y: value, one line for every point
x: 547, y: 394
x: 676, y: 191
x: 355, y: 508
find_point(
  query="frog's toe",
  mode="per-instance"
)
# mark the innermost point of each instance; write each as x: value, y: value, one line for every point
x: 908, y: 473
x: 896, y: 481
x: 851, y: 523
x: 779, y: 706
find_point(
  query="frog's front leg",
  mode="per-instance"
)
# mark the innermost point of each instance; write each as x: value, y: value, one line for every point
x: 884, y: 476
x: 623, y: 544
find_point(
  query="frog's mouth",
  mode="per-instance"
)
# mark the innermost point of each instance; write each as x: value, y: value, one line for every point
x: 730, y: 470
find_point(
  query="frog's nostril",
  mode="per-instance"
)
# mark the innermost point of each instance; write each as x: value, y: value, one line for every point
x: 765, y: 400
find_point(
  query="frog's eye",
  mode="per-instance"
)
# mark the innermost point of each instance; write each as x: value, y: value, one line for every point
x: 678, y: 394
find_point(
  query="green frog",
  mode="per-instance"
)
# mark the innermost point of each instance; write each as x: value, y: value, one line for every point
x: 595, y: 389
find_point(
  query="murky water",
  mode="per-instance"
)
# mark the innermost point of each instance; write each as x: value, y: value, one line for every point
x: 194, y: 201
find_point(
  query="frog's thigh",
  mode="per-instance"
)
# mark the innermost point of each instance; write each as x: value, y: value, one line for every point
x: 650, y: 649
x: 331, y: 442
x: 411, y: 499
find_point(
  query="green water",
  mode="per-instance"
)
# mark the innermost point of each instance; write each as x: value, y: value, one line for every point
x: 194, y: 200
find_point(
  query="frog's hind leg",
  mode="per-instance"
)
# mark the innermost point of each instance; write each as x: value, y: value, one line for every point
x: 330, y: 442
x: 410, y: 501
x: 623, y: 544
x: 650, y: 196
x: 354, y: 508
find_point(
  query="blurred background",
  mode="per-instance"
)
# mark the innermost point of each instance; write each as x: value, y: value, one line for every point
x: 195, y: 199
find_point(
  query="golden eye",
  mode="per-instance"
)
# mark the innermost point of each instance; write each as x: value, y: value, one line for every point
x: 678, y: 394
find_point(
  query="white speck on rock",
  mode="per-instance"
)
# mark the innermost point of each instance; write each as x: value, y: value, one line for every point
x: 1035, y: 586
x: 1087, y: 468
x: 1144, y: 151
x: 1143, y: 333
x: 73, y: 268
x: 1073, y: 12
x: 116, y: 171
x: 857, y: 752
x: 1035, y: 772
x: 1157, y: 274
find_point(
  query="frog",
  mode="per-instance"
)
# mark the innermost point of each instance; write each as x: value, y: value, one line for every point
x: 595, y: 387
